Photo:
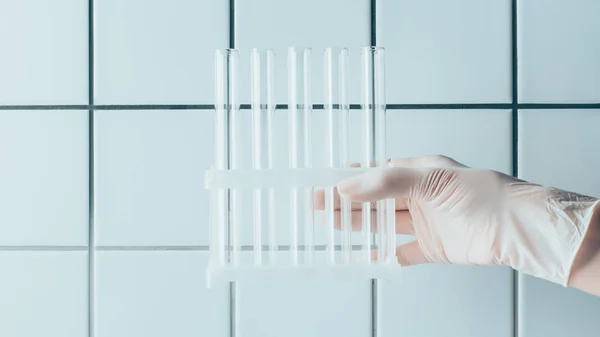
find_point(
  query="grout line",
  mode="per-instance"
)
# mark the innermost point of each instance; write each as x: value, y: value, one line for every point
x: 515, y: 146
x: 155, y: 107
x: 91, y: 191
x: 514, y: 54
x: 374, y: 283
x: 91, y: 106
x: 314, y: 106
x: 515, y: 142
x: 44, y: 248
x: 401, y: 106
x: 515, y: 173
x: 373, y: 22
x: 232, y: 24
x: 451, y: 106
x: 233, y: 308
x: 45, y: 107
x: 542, y: 106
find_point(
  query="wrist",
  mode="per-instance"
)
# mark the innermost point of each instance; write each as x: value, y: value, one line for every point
x: 585, y: 271
x: 554, y: 235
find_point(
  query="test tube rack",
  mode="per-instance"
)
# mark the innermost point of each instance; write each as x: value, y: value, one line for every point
x: 246, y: 196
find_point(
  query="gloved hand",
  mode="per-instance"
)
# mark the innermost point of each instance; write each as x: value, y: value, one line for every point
x: 462, y: 215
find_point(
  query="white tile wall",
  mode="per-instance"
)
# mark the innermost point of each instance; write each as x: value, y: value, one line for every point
x: 441, y: 300
x: 557, y: 148
x: 44, y: 294
x: 446, y: 51
x: 155, y: 294
x: 44, y: 58
x: 304, y: 307
x: 149, y: 176
x: 157, y: 52
x: 558, y: 56
x: 43, y: 178
x: 278, y: 25
x: 476, y: 138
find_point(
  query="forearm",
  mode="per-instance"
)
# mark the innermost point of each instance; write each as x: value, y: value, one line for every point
x: 585, y: 273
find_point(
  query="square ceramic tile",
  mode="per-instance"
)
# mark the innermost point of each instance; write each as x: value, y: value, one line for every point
x: 44, y: 177
x: 157, y: 52
x: 451, y: 296
x: 556, y: 149
x: 476, y: 138
x: 156, y: 294
x: 555, y: 143
x: 304, y: 308
x: 242, y: 152
x: 44, y: 294
x: 44, y: 58
x: 446, y: 51
x: 149, y: 180
x: 277, y: 25
x: 541, y: 316
x: 448, y: 300
x: 558, y: 51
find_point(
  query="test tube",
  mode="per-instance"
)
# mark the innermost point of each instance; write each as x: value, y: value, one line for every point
x: 329, y: 151
x: 270, y: 150
x: 345, y: 206
x: 378, y: 80
x: 293, y: 147
x: 233, y: 111
x: 389, y: 237
x: 368, y: 130
x: 307, y: 118
x: 257, y: 133
x: 218, y: 198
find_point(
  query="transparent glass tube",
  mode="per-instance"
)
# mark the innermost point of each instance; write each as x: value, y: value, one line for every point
x: 233, y: 110
x: 388, y: 213
x: 368, y: 141
x: 307, y: 127
x: 218, y: 198
x: 270, y: 151
x: 257, y: 132
x: 293, y: 147
x: 345, y: 206
x: 378, y: 61
x: 329, y: 151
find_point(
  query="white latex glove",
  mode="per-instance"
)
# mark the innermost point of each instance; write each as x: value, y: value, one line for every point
x: 462, y: 215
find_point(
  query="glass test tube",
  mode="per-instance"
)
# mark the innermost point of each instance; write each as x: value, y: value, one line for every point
x: 377, y: 55
x: 300, y: 119
x: 345, y: 206
x: 368, y: 130
x: 233, y: 110
x: 329, y: 152
x: 293, y: 144
x: 309, y: 232
x: 270, y: 151
x: 389, y: 237
x: 257, y: 134
x: 218, y: 198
